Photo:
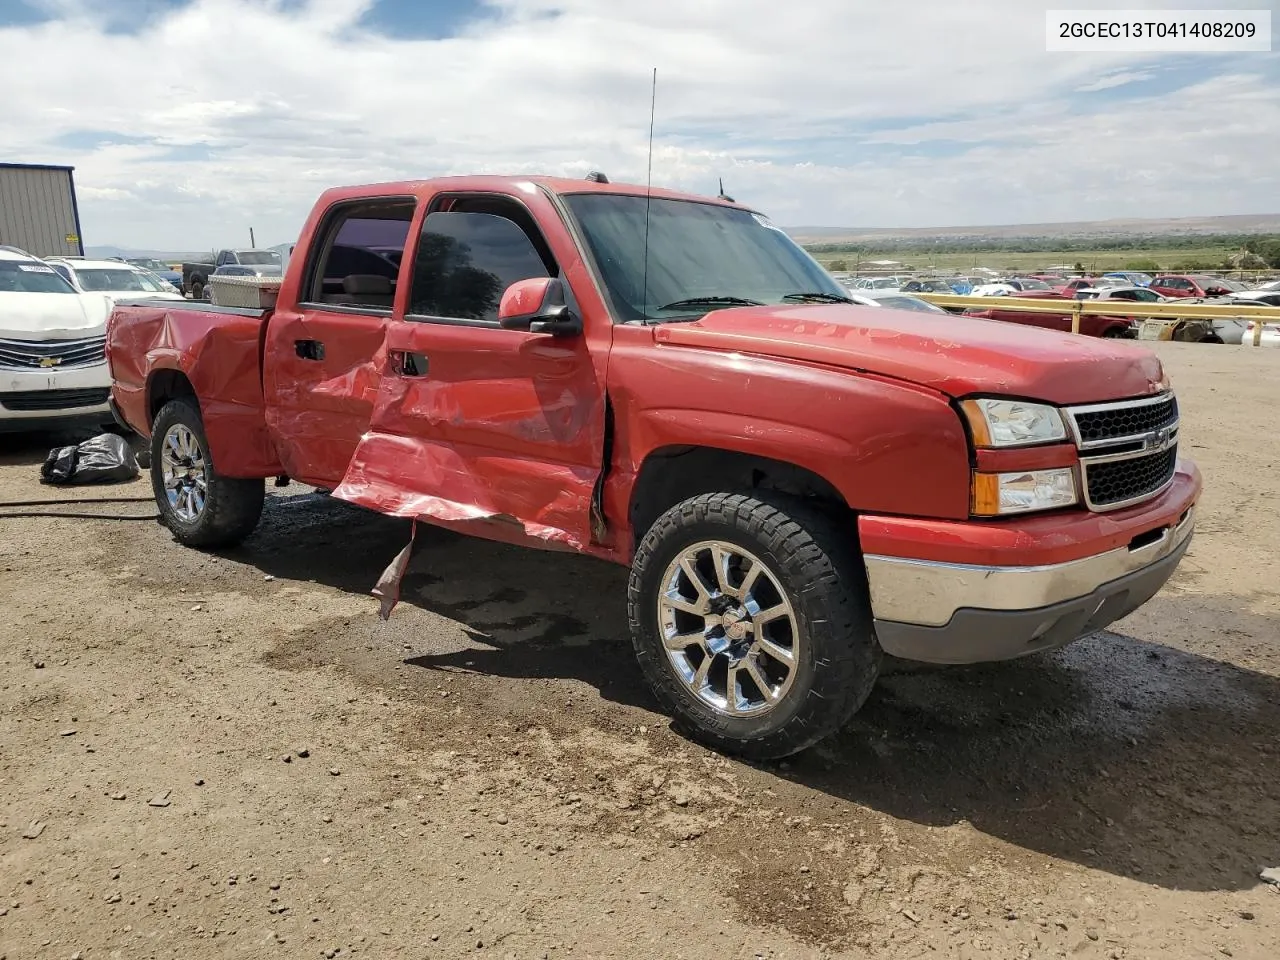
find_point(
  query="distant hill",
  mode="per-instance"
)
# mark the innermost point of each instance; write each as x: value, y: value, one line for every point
x: 1179, y: 226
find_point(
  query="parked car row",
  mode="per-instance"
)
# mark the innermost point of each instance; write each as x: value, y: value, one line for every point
x: 53, y: 314
x: 1166, y: 285
x: 1119, y: 286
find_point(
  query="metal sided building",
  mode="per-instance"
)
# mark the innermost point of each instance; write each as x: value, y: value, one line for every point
x: 38, y: 210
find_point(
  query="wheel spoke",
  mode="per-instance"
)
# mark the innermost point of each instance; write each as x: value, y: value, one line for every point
x: 772, y: 613
x: 700, y: 676
x: 758, y: 678
x: 700, y: 607
x: 749, y: 581
x: 731, y: 689
x: 695, y: 579
x: 683, y: 641
x: 720, y: 558
x: 774, y: 650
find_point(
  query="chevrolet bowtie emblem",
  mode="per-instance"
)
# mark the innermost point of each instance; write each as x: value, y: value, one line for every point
x: 50, y: 361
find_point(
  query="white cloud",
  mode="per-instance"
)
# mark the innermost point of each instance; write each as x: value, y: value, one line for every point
x: 1113, y: 80
x: 815, y: 113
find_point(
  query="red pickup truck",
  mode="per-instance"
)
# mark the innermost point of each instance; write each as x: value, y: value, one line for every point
x: 1090, y: 325
x: 797, y: 483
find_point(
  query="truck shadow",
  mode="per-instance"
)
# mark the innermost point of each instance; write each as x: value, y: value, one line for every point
x: 1123, y: 755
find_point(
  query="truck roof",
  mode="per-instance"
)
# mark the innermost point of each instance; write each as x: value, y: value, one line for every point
x: 487, y: 183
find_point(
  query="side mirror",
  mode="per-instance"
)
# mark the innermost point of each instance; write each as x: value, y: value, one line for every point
x: 537, y: 305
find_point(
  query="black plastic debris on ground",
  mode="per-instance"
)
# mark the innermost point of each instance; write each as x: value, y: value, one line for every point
x: 106, y: 458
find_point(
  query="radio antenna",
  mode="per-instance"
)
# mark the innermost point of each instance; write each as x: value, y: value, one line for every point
x: 648, y: 196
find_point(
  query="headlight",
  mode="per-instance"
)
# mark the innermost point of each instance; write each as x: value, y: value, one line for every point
x: 1013, y: 423
x: 1022, y: 491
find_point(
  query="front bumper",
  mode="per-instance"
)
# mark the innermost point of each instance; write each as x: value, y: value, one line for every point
x: 947, y: 612
x: 38, y: 399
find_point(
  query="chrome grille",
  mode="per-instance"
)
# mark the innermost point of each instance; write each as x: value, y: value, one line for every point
x: 51, y: 354
x: 1128, y: 449
x: 1128, y: 480
x: 1107, y: 423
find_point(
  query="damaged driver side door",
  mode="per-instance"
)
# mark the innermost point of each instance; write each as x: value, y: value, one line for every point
x: 499, y: 432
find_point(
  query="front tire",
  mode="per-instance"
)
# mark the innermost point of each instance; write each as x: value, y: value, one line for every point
x: 751, y: 621
x: 201, y: 507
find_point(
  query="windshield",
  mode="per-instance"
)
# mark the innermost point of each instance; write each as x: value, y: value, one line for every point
x: 257, y: 257
x: 112, y: 280
x: 146, y: 264
x: 696, y: 250
x: 21, y: 276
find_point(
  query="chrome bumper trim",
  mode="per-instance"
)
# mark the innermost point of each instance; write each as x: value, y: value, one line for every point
x: 929, y: 593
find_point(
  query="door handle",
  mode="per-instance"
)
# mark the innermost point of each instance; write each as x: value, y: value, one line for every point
x: 309, y: 349
x: 408, y: 364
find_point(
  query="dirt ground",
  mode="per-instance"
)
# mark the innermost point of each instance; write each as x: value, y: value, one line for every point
x: 231, y: 756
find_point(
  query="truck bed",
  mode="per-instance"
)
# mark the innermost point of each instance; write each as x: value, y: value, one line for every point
x: 158, y: 348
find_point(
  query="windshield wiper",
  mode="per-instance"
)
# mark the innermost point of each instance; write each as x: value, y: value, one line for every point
x: 700, y: 301
x: 817, y: 298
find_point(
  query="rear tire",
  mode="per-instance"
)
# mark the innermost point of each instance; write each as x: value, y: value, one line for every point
x: 800, y: 626
x: 197, y: 290
x: 201, y: 507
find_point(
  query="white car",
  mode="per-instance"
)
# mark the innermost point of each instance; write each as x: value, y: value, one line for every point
x: 53, y: 366
x: 994, y: 290
x: 1270, y: 333
x: 875, y: 283
x: 117, y: 279
x: 893, y: 300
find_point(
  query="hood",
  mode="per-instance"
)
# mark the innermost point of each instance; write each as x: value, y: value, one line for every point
x: 52, y: 316
x: 266, y: 269
x: 955, y: 355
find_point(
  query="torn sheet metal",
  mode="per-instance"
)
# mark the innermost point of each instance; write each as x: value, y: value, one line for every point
x: 387, y: 589
x: 498, y: 432
x: 413, y: 477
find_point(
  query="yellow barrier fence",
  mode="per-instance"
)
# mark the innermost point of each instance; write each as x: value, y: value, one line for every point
x: 1110, y: 308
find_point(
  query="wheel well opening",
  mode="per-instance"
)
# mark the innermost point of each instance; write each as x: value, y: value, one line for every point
x: 674, y: 474
x: 166, y: 385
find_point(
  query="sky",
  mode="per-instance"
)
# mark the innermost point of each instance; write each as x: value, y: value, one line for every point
x: 190, y: 121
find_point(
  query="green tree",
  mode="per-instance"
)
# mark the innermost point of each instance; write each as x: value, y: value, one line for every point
x: 838, y: 265
x: 1269, y: 250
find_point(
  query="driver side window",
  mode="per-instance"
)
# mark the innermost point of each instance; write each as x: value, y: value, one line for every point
x: 467, y: 256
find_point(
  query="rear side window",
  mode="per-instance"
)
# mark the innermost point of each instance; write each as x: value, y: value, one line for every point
x: 356, y: 265
x: 467, y: 259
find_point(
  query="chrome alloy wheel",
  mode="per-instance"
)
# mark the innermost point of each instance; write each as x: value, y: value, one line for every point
x: 728, y: 628
x: 186, y: 473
